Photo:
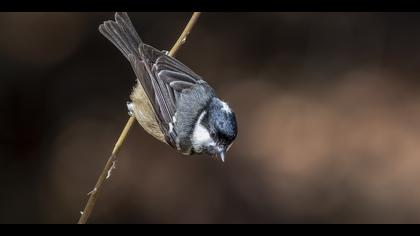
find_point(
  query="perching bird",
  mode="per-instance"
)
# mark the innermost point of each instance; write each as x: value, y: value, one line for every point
x: 170, y: 101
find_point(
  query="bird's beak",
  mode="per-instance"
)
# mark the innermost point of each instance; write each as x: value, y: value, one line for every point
x: 221, y: 153
x: 222, y: 156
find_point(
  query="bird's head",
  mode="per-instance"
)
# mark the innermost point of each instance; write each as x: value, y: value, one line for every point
x: 215, y: 129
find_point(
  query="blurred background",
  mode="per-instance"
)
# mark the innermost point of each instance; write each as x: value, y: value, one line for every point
x: 328, y: 108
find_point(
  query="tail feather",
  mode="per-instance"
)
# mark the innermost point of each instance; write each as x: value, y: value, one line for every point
x: 122, y: 34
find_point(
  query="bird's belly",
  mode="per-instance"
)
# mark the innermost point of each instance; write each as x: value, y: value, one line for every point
x: 144, y: 113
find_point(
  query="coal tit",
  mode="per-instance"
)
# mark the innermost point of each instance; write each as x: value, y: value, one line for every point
x: 170, y: 101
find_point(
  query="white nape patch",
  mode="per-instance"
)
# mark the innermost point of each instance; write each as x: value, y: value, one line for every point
x: 201, y: 136
x: 225, y: 107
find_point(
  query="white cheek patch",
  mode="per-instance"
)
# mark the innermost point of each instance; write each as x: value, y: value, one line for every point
x: 201, y: 136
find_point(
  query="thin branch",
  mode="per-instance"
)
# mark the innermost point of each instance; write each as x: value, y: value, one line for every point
x: 110, y: 165
x: 183, y: 38
x: 93, y: 195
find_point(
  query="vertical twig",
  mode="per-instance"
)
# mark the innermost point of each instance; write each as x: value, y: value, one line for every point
x: 93, y: 195
x: 183, y: 37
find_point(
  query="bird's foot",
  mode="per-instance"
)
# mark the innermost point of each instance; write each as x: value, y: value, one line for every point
x: 130, y: 108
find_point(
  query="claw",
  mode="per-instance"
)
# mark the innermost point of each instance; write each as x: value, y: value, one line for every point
x: 130, y: 108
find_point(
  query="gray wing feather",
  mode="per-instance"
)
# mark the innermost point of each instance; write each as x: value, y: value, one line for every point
x: 143, y: 77
x: 173, y: 65
x: 170, y: 78
x: 179, y: 86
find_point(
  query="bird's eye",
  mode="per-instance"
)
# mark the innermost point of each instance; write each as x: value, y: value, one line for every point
x: 213, y: 134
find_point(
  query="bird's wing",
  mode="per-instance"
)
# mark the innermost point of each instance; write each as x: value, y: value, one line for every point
x: 163, y: 78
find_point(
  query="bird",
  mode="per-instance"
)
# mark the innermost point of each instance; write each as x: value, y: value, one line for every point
x: 170, y: 101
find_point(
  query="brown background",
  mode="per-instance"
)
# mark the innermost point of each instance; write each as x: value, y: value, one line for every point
x: 328, y: 109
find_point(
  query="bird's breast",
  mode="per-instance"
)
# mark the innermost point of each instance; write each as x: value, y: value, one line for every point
x: 144, y: 113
